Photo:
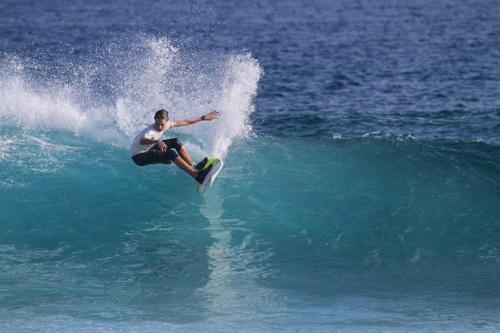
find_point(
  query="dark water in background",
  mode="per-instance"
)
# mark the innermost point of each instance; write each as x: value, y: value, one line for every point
x: 426, y: 68
x: 361, y: 188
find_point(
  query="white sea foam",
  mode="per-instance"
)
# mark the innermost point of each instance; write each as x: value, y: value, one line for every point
x: 236, y: 102
x: 153, y: 74
x: 50, y: 107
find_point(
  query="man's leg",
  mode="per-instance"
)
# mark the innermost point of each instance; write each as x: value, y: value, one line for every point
x: 157, y: 156
x: 183, y: 152
x: 181, y: 163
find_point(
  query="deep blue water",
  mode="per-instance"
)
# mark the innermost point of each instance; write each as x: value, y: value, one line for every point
x: 361, y: 189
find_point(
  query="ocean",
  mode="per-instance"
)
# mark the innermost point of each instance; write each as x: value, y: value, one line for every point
x: 361, y: 187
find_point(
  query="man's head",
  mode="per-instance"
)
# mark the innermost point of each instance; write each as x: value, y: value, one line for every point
x: 161, y: 118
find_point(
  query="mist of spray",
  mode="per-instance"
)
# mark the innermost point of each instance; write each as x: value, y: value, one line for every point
x: 115, y: 94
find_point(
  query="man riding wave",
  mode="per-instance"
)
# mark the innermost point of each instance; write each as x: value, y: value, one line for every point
x: 148, y: 148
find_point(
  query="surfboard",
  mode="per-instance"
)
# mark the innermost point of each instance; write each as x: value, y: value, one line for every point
x: 217, y: 165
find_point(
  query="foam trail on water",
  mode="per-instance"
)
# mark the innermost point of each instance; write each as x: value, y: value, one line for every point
x: 31, y: 106
x: 115, y: 94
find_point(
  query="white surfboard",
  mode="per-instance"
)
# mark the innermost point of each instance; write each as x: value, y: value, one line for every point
x: 217, y: 165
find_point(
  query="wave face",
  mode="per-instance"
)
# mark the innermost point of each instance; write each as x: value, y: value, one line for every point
x: 369, y: 201
x: 303, y: 219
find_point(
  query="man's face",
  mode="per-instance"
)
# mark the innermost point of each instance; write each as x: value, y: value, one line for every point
x: 160, y: 124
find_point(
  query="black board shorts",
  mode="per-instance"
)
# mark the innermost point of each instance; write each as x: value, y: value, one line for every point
x: 156, y: 155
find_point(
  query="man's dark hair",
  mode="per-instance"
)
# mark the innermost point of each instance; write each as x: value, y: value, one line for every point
x: 161, y: 114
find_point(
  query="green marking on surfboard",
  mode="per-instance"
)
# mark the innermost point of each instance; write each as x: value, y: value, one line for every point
x: 210, y: 161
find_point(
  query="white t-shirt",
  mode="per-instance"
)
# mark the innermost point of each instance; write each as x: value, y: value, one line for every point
x: 148, y: 133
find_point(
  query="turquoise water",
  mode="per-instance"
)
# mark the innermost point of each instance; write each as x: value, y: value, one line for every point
x: 371, y: 233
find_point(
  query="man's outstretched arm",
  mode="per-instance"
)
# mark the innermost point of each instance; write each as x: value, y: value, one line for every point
x: 185, y: 122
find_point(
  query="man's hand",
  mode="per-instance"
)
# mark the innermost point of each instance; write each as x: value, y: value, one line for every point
x: 212, y: 115
x: 163, y: 146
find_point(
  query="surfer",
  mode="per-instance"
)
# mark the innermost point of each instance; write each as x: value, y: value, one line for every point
x: 148, y: 148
